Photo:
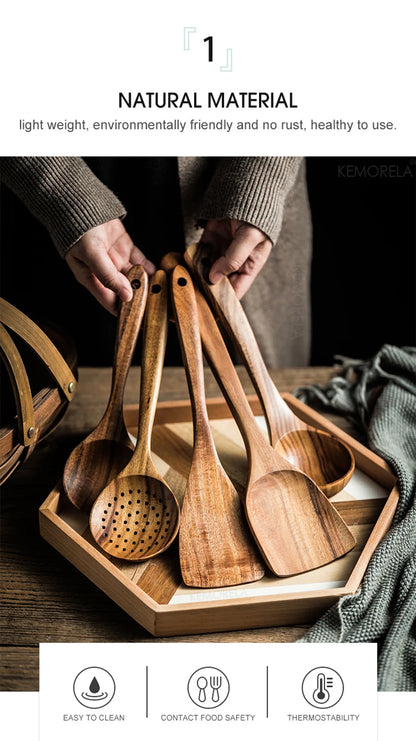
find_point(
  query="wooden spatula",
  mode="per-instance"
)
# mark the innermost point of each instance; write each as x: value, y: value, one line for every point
x: 293, y: 523
x: 327, y: 460
x: 215, y: 545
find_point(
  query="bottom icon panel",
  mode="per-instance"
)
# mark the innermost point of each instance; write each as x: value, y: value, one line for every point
x: 297, y: 691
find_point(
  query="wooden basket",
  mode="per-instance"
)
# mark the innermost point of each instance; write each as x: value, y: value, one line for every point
x: 152, y: 592
x: 31, y: 408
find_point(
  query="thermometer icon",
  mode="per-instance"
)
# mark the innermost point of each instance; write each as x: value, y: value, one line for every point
x: 321, y: 693
x: 322, y: 687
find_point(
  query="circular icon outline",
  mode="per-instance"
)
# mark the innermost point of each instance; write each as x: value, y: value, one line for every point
x: 206, y: 706
x: 319, y: 669
x: 92, y: 700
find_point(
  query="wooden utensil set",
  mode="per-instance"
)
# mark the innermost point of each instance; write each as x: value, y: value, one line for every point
x: 283, y: 520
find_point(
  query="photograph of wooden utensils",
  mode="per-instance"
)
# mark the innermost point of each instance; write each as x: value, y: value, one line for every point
x: 327, y: 460
x: 294, y: 524
x: 216, y: 547
x: 108, y: 448
x: 136, y: 516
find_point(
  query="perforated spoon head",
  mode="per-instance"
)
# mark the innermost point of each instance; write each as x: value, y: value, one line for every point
x: 326, y: 460
x: 135, y: 518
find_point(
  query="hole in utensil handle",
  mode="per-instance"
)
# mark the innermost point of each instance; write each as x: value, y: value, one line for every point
x: 182, y: 281
x: 135, y: 283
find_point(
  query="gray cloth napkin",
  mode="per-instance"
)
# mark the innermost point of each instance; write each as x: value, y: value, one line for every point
x: 380, y: 396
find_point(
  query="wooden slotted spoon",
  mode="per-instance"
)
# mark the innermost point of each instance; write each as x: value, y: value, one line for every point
x: 327, y: 460
x: 136, y: 516
x: 107, y: 449
x: 215, y: 545
x: 293, y: 522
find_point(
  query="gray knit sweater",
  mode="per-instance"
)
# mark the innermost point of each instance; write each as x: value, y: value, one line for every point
x: 64, y: 194
x: 267, y: 192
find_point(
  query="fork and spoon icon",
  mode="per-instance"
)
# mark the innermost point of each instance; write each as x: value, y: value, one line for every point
x: 215, y: 683
x: 208, y: 687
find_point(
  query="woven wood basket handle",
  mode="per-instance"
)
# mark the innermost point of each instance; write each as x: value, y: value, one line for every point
x: 26, y: 428
x: 41, y: 345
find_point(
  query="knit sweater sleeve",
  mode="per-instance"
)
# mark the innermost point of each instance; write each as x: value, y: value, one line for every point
x: 251, y: 189
x: 62, y: 193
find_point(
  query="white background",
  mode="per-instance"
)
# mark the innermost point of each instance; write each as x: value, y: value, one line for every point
x: 341, y: 60
x: 345, y: 61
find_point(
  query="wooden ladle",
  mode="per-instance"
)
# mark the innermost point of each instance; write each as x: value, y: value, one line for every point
x: 108, y: 448
x: 215, y: 545
x: 327, y: 460
x: 136, y: 516
x: 293, y: 522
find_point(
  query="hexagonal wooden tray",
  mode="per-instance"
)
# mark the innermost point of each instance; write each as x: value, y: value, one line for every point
x: 152, y: 592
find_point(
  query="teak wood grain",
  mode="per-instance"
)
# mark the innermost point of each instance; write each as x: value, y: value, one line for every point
x: 215, y: 545
x: 107, y: 449
x: 137, y: 516
x: 50, y: 598
x: 327, y: 460
x: 293, y: 523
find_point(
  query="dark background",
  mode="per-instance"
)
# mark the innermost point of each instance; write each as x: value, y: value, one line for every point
x: 364, y: 263
x: 363, y: 269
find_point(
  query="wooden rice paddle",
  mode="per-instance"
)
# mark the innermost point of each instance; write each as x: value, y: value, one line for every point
x: 293, y: 522
x: 327, y: 460
x: 136, y: 516
x: 108, y: 448
x: 216, y: 548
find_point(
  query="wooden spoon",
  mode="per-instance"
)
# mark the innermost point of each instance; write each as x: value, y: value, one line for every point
x: 107, y: 449
x: 136, y: 516
x: 327, y: 460
x: 293, y: 523
x: 216, y: 548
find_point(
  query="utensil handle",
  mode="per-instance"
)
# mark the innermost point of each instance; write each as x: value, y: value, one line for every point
x: 154, y: 345
x: 227, y: 378
x: 222, y: 297
x: 130, y: 315
x: 186, y: 315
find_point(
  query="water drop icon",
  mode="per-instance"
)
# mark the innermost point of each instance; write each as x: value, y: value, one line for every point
x: 95, y: 694
x: 94, y: 686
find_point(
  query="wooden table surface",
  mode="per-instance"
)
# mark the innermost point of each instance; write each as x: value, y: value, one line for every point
x: 45, y: 599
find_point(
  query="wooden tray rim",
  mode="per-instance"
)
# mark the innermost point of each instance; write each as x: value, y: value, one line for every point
x: 153, y: 613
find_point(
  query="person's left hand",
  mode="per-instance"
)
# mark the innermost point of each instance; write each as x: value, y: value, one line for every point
x: 243, y: 251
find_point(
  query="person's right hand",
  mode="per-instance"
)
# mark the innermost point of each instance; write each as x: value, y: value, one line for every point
x: 101, y: 259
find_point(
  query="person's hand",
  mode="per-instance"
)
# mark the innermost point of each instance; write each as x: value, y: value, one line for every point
x: 100, y: 260
x: 243, y: 250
